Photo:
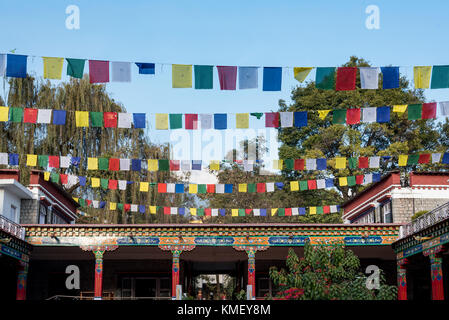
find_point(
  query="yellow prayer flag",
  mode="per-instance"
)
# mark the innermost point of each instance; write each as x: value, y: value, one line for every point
x: 235, y: 212
x: 153, y: 209
x: 46, y: 175
x: 161, y: 121
x: 343, y: 181
x: 181, y: 76
x: 214, y: 165
x: 4, y: 114
x: 95, y: 182
x: 193, y: 188
x: 273, y: 211
x: 92, y: 163
x: 278, y: 164
x: 323, y: 113
x: 144, y: 187
x: 400, y: 108
x: 153, y: 165
x: 243, y: 187
x: 112, y: 206
x: 82, y: 118
x: 75, y: 199
x: 340, y: 162
x: 312, y: 210
x: 294, y: 186
x: 31, y: 160
x: 193, y: 211
x: 242, y: 120
x: 300, y: 73
x: 403, y: 160
x: 422, y: 77
x: 52, y: 67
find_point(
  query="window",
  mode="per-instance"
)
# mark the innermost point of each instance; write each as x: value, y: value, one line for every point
x: 387, y: 213
x: 42, y: 214
x: 13, y: 213
x: 369, y: 216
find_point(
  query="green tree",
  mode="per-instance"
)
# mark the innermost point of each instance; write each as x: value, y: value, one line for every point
x: 326, y: 272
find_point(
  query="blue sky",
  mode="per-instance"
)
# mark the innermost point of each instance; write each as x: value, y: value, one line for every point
x: 242, y: 33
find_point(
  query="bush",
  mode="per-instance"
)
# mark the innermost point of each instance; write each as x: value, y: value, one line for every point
x: 419, y: 214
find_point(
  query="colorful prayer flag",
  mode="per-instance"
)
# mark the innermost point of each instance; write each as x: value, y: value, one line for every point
x: 75, y: 67
x: 227, y: 76
x: 52, y: 67
x: 390, y: 77
x: 248, y: 78
x: 191, y: 121
x: 272, y: 78
x: 346, y: 78
x: 301, y: 73
x: 369, y: 77
x: 181, y: 76
x: 220, y: 121
x: 422, y: 77
x: 121, y: 71
x: 175, y: 120
x: 82, y: 118
x: 16, y: 66
x: 145, y: 68
x: 242, y: 120
x: 440, y: 77
x: 98, y: 71
x: 203, y: 77
x: 325, y: 78
x: 30, y: 115
x: 161, y: 121
x: 272, y: 119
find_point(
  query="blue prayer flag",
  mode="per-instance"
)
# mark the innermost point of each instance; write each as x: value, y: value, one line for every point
x: 376, y: 177
x: 248, y: 77
x: 228, y: 188
x: 196, y: 164
x: 13, y: 159
x: 445, y: 158
x: 386, y: 158
x: 136, y: 164
x: 300, y: 119
x: 59, y: 117
x: 321, y: 164
x: 302, y: 211
x: 222, y: 212
x: 82, y: 181
x: 279, y: 185
x: 383, y: 114
x: 390, y: 77
x: 181, y: 211
x: 141, y: 208
x: 263, y: 212
x: 102, y: 204
x: 220, y: 121
x: 179, y: 188
x: 139, y: 120
x: 16, y: 66
x: 329, y: 182
x: 272, y: 78
x: 76, y: 161
x: 145, y: 68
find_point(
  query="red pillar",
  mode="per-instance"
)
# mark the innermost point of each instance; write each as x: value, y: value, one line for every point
x: 252, y: 270
x: 98, y: 274
x: 436, y: 273
x: 22, y: 281
x: 175, y: 272
x: 402, y: 279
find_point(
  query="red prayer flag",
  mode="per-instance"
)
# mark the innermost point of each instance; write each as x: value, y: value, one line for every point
x: 359, y: 179
x: 299, y: 164
x: 363, y: 162
x: 127, y: 207
x: 191, y: 120
x: 261, y: 187
x: 288, y: 212
x: 64, y: 178
x: 311, y: 184
x: 167, y: 210
x: 162, y: 187
x: 174, y: 165
x: 429, y: 110
x: 88, y: 202
x: 98, y: 71
x: 353, y: 116
x: 248, y: 211
x: 346, y: 78
x: 53, y: 161
x: 30, y: 115
x: 227, y: 76
x: 211, y: 188
x: 110, y: 119
x: 112, y: 184
x: 272, y: 119
x: 326, y: 209
x: 114, y: 164
x: 208, y: 212
x: 424, y: 158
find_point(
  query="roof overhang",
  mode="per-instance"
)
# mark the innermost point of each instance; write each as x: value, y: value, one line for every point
x: 16, y: 188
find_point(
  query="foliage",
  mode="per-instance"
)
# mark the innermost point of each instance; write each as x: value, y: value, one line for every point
x: 326, y: 272
x: 419, y: 214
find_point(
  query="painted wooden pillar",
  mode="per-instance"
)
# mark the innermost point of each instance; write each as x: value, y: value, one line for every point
x: 175, y: 272
x: 436, y: 273
x: 98, y: 274
x: 252, y: 270
x: 402, y: 279
x: 22, y: 281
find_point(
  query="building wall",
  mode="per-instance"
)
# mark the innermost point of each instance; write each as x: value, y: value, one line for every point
x: 405, y: 208
x: 30, y: 212
x: 7, y: 200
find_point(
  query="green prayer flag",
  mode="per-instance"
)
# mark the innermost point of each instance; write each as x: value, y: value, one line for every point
x: 325, y: 78
x: 54, y: 177
x: 42, y: 161
x: 203, y: 77
x: 16, y: 114
x: 339, y: 116
x: 200, y: 212
x: 353, y: 163
x: 414, y: 111
x: 164, y: 165
x: 281, y: 212
x: 82, y: 202
x: 413, y: 159
x: 440, y: 77
x: 104, y: 183
x: 120, y: 206
x: 175, y: 120
x: 103, y: 163
x: 241, y: 212
x: 319, y: 210
x: 303, y: 185
x: 289, y: 164
x: 75, y: 67
x: 202, y: 188
x: 251, y: 187
x: 258, y: 115
x: 351, y: 181
x: 96, y: 119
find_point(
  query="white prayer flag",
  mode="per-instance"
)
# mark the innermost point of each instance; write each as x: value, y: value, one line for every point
x: 369, y: 77
x: 43, y: 116
x: 286, y: 119
x: 310, y: 164
x: 256, y: 212
x: 71, y: 180
x: 369, y: 114
x: 124, y: 120
x: 95, y: 204
x: 64, y: 161
x: 248, y: 165
x: 368, y: 178
x: 170, y: 188
x: 2, y: 65
x: 205, y: 121
x: 124, y: 164
x: 436, y: 157
x: 122, y: 184
x: 321, y: 184
x: 270, y: 186
x: 174, y: 210
x: 374, y: 162
x: 444, y: 108
x: 3, y: 158
x: 219, y: 188
x: 334, y: 209
x: 134, y: 207
x: 295, y: 211
x: 121, y: 71
x: 214, y: 212
x: 185, y: 165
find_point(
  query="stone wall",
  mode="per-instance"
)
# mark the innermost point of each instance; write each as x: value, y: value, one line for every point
x: 405, y: 208
x: 29, y: 211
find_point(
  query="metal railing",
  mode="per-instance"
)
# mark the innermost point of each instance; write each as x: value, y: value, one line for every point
x: 12, y: 228
x: 426, y: 220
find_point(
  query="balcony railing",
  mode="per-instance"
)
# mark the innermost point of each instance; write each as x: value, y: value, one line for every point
x: 12, y: 228
x: 429, y: 219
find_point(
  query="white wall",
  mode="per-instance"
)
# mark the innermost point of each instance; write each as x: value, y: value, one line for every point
x: 8, y: 199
